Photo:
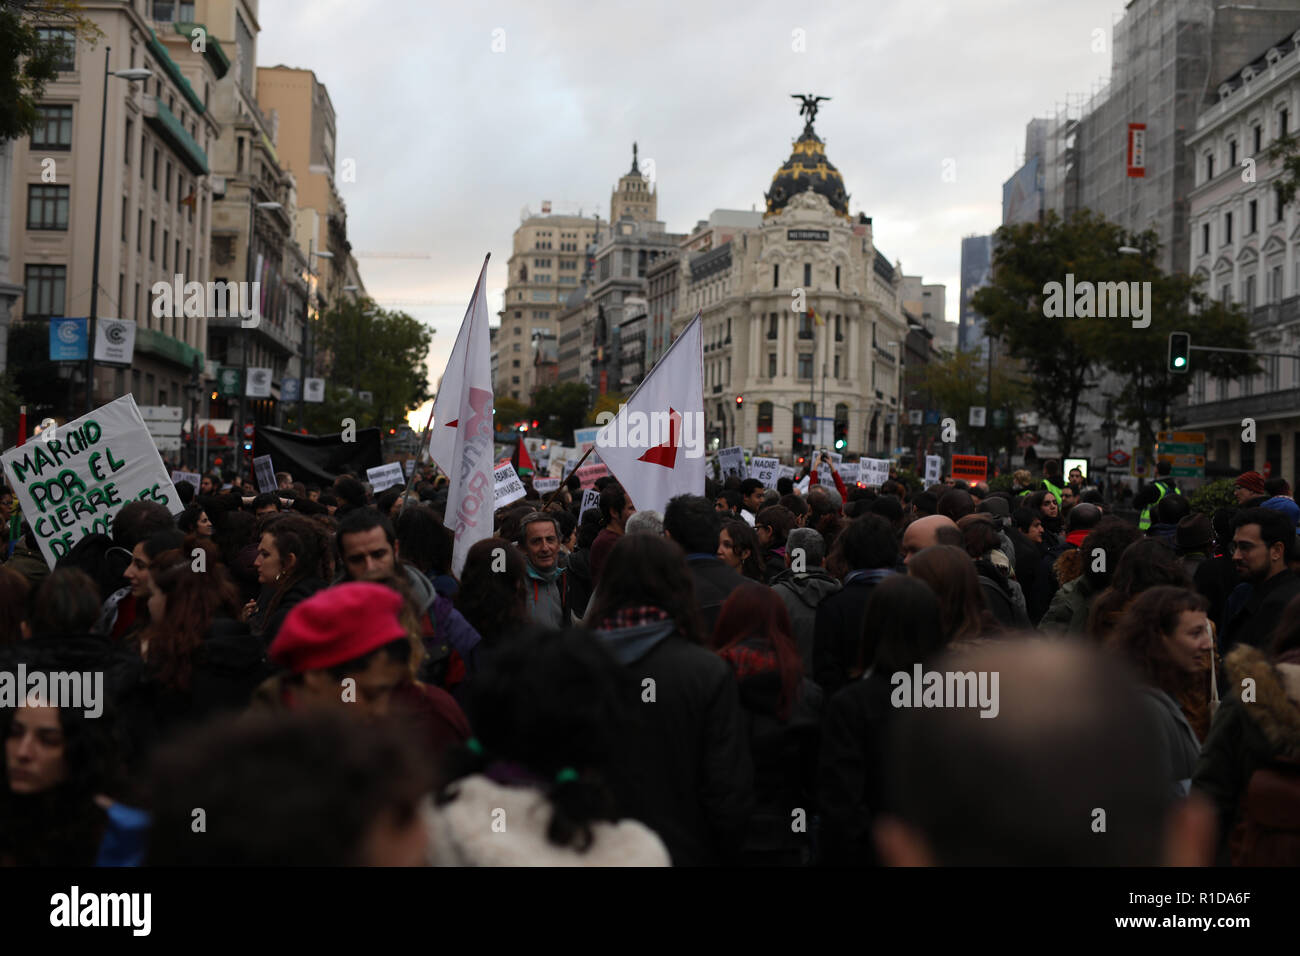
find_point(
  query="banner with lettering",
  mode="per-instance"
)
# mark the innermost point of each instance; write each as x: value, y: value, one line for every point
x: 72, y: 479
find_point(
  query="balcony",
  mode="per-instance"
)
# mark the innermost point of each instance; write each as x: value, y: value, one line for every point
x: 1262, y: 405
x: 174, y: 72
x: 771, y: 335
x: 274, y: 336
x: 152, y: 342
x: 1275, y: 314
x: 165, y: 124
x: 805, y: 333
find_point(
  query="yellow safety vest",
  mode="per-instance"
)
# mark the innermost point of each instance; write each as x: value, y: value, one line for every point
x: 1144, y: 521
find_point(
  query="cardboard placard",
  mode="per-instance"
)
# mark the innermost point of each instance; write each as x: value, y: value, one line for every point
x: 73, y: 478
x: 874, y: 472
x: 590, y: 499
x: 732, y: 462
x: 385, y: 476
x: 265, y: 473
x: 189, y: 477
x: 544, y: 486
x: 508, y: 487
x: 970, y: 467
x: 849, y: 473
x: 933, y: 469
x: 765, y: 470
x: 588, y: 474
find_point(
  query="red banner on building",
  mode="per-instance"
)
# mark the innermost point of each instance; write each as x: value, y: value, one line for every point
x: 1137, y: 150
x: 970, y: 467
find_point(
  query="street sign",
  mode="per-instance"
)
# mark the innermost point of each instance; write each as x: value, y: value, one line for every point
x: 228, y: 382
x: 1181, y: 448
x: 1139, y: 467
x: 1191, y: 438
x: 164, y: 425
x: 1118, y: 457
x: 977, y: 416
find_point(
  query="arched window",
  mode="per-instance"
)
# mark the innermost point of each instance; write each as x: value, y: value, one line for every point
x: 764, y: 416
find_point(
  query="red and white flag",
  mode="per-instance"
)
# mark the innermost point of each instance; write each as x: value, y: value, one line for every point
x: 471, y: 492
x: 655, y: 444
x: 445, y: 415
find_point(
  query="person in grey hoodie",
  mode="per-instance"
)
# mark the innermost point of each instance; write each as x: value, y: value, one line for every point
x: 803, y: 585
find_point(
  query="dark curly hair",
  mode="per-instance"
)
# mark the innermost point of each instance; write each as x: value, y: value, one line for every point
x: 493, y: 601
x: 557, y: 702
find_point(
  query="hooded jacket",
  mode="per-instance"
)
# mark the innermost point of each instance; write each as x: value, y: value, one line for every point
x: 802, y: 592
x: 1249, y: 735
x: 685, y: 770
x: 1069, y: 608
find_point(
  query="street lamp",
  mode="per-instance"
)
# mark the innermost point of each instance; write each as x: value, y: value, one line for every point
x: 137, y: 73
x: 253, y: 206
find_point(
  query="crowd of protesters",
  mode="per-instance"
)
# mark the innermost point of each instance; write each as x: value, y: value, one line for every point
x: 726, y: 682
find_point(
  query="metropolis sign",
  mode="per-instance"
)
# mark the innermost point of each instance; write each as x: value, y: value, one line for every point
x: 817, y: 235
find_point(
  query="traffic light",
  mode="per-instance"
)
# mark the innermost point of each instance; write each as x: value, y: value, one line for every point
x: 740, y: 400
x: 841, y: 434
x: 1180, y: 351
x: 534, y: 423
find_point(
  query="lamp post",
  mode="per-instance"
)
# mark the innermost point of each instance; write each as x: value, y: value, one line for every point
x: 253, y: 206
x: 192, y: 389
x: 130, y: 75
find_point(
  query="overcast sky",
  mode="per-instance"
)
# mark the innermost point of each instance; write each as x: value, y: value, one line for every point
x: 451, y: 139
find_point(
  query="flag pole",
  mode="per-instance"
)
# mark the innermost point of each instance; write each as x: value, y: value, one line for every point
x: 548, y: 501
x: 424, y: 436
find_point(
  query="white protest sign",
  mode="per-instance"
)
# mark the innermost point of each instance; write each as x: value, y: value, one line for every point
x: 824, y: 472
x: 508, y: 486
x: 590, y: 499
x: 114, y: 341
x: 933, y: 469
x: 765, y: 470
x: 265, y: 473
x: 849, y: 472
x: 408, y: 467
x: 802, y: 485
x: 874, y: 471
x: 189, y: 477
x: 73, y: 478
x: 385, y: 476
x: 732, y: 461
x: 544, y: 486
x: 787, y: 471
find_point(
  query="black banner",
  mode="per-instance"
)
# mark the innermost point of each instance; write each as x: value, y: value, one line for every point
x: 319, y: 459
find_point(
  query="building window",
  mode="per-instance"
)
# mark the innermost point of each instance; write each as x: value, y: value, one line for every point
x: 1252, y: 216
x: 839, y: 336
x: 771, y: 326
x: 805, y: 327
x: 1205, y: 237
x: 1275, y: 284
x: 518, y: 330
x: 153, y: 235
x: 126, y: 213
x: 47, y: 207
x: 1227, y: 228
x: 1209, y: 166
x: 53, y: 128
x: 155, y: 167
x: 516, y: 363
x: 807, y: 275
x: 805, y: 365
x: 139, y: 229
x: 765, y: 416
x: 776, y: 276
x: 67, y: 61
x: 144, y: 146
x: 167, y: 183
x: 1232, y: 153
x: 837, y: 366
x: 1282, y: 117
x: 166, y: 240
x: 136, y: 300
x: 1257, y: 133
x: 771, y: 365
x: 514, y: 380
x: 1248, y: 292
x: 837, y: 277
x: 1278, y: 205
x: 129, y: 140
x: 176, y: 256
x: 45, y: 289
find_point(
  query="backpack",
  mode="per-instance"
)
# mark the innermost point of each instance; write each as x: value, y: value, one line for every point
x: 1268, y: 833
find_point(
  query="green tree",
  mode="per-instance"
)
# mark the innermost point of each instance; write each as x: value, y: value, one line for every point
x: 506, y: 411
x: 608, y: 402
x: 1067, y: 356
x: 382, y: 354
x: 956, y: 382
x: 27, y: 62
x: 559, y: 409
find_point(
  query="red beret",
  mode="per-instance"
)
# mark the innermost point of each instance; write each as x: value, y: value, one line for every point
x: 338, y: 624
x: 1252, y: 481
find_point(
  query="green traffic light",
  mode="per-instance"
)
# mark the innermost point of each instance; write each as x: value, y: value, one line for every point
x: 1180, y: 361
x: 840, y: 443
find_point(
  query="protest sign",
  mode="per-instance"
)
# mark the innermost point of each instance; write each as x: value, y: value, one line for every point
x: 584, y: 438
x: 849, y: 472
x: 732, y: 461
x: 588, y: 474
x: 787, y: 471
x: 824, y: 472
x: 508, y: 486
x: 765, y: 470
x: 73, y: 478
x: 408, y: 467
x: 590, y: 499
x: 265, y: 473
x: 385, y: 476
x: 802, y: 485
x: 544, y: 486
x: 874, y: 472
x: 970, y: 467
x: 189, y: 477
x: 933, y: 469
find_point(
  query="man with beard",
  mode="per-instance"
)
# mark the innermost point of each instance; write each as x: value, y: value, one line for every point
x: 1262, y: 543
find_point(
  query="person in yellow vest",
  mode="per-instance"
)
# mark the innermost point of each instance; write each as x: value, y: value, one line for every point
x: 1148, y: 496
x: 1052, y: 478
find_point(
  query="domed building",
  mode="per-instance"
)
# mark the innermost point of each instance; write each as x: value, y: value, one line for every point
x: 803, y: 317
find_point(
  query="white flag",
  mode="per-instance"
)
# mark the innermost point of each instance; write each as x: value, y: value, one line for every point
x: 655, y: 445
x: 446, y: 405
x: 470, y: 496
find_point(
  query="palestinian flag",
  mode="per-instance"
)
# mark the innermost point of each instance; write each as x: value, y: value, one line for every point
x: 523, y: 464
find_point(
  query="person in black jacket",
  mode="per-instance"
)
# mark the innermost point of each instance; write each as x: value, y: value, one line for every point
x: 905, y: 629
x: 696, y: 526
x: 1263, y: 541
x: 869, y: 549
x: 292, y: 564
x: 685, y: 768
